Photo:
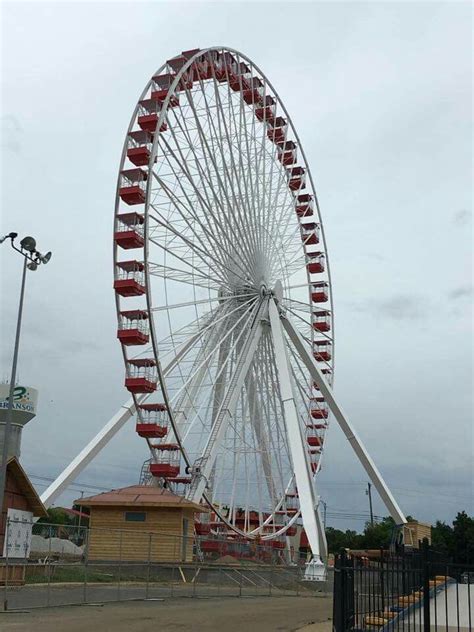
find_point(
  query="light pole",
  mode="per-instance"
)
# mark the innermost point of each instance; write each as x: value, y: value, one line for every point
x: 368, y: 493
x: 31, y: 260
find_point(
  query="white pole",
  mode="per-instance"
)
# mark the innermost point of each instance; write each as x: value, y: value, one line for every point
x: 307, y: 497
x: 89, y: 452
x: 343, y: 421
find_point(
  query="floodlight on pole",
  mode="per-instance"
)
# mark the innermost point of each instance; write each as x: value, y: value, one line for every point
x: 31, y: 260
x: 29, y: 244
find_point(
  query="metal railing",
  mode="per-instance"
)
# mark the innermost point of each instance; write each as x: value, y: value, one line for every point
x: 75, y: 564
x: 411, y: 590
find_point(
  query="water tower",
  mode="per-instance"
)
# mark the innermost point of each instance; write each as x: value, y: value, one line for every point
x: 25, y: 400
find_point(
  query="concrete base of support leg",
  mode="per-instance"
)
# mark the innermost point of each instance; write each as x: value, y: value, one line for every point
x: 315, y: 571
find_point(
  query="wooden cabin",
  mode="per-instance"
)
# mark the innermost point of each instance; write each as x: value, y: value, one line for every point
x: 21, y: 504
x: 141, y: 523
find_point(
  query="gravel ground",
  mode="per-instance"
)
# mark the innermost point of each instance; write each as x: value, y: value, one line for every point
x: 246, y: 614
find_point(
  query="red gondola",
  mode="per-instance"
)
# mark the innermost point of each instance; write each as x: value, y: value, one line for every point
x: 129, y: 231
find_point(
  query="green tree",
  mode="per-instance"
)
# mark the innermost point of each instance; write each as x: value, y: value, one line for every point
x: 56, y: 515
x: 442, y: 538
x: 463, y: 537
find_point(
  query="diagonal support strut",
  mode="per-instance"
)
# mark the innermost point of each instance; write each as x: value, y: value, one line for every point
x: 343, y: 421
x: 307, y: 496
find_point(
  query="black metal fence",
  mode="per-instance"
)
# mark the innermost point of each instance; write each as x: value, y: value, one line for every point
x: 411, y: 590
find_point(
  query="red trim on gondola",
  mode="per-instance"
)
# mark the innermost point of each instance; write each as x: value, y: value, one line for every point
x: 132, y: 337
x: 164, y: 470
x: 202, y: 528
x: 139, y: 385
x: 140, y: 156
x: 148, y: 122
x: 132, y: 195
x: 128, y: 239
x: 151, y: 431
x: 157, y: 407
x: 320, y: 292
x: 128, y: 287
x: 166, y: 447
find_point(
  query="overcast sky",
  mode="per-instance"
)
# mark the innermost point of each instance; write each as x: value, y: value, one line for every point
x: 381, y: 97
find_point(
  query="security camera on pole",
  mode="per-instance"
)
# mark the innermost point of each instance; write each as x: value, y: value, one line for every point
x: 32, y: 259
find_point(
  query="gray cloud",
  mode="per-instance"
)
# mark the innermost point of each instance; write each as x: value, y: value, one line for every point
x: 462, y: 217
x: 383, y: 114
x: 464, y: 291
x: 403, y: 307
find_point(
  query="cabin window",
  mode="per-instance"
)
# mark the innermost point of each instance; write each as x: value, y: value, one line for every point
x: 135, y: 516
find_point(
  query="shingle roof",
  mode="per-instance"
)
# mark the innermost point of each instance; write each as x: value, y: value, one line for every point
x: 26, y: 487
x: 139, y: 496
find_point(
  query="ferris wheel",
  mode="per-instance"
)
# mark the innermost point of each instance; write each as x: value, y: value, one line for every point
x: 224, y: 301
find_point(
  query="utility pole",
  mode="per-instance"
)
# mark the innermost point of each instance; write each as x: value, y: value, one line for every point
x: 325, y: 505
x: 368, y: 493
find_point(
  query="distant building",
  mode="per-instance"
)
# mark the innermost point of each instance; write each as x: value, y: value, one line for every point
x: 140, y: 522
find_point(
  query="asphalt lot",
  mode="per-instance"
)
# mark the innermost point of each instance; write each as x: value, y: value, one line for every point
x: 246, y: 614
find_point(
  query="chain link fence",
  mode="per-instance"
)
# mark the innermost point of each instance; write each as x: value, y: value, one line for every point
x: 74, y: 565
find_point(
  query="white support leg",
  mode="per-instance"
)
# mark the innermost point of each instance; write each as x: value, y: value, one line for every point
x: 343, y: 421
x: 308, y: 502
x: 226, y: 412
x: 94, y: 446
x: 261, y: 437
x: 323, y: 544
x: 89, y: 452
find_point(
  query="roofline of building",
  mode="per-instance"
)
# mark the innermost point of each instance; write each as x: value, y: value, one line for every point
x: 26, y: 486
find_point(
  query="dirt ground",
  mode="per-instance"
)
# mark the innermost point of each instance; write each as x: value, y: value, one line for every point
x: 252, y: 614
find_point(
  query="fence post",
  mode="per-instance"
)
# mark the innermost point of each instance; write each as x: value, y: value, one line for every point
x: 338, y: 597
x: 86, y: 561
x: 5, y: 598
x: 426, y: 584
x: 120, y: 566
x: 148, y: 567
x: 382, y: 580
x: 48, y: 593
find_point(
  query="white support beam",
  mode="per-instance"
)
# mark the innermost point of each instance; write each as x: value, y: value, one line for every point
x: 91, y: 450
x: 256, y: 419
x: 101, y: 439
x: 307, y: 497
x: 226, y: 411
x: 343, y: 421
x: 323, y: 543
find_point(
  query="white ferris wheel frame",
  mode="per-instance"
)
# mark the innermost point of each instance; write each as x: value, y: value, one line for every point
x: 271, y: 314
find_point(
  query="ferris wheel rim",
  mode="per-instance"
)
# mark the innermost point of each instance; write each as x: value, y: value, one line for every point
x: 149, y: 300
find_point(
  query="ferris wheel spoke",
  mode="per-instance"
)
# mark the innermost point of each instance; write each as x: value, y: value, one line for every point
x: 213, y: 232
x: 256, y: 419
x: 211, y: 299
x: 239, y: 200
x: 200, y: 251
x: 208, y: 178
x: 247, y: 317
x: 277, y: 432
x: 223, y: 187
x: 213, y: 318
x: 219, y: 428
x: 193, y: 276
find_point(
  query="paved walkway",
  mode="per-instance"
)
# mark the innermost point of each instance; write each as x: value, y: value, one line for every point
x: 247, y: 614
x: 452, y: 609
